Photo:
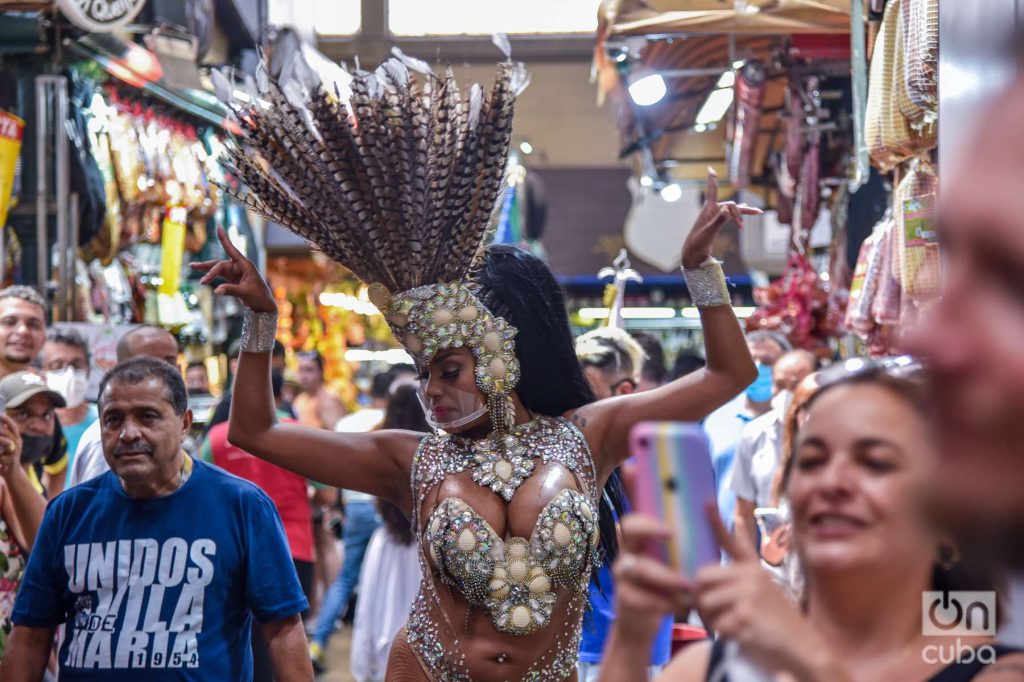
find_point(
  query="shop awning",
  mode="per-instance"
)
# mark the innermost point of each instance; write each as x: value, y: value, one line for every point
x: 136, y: 66
x: 652, y: 17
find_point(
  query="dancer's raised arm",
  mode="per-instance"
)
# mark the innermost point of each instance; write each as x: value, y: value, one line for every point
x: 377, y: 463
x: 729, y: 369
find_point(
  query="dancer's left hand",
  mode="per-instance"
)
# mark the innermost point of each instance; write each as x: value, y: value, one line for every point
x: 713, y: 215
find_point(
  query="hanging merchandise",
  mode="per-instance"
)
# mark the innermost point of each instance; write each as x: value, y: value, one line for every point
x: 796, y: 304
x: 918, y: 83
x: 918, y: 264
x: 11, y: 130
x: 890, y: 135
x: 750, y: 88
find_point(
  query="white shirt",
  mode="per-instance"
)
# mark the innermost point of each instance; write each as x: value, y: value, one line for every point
x: 361, y: 421
x: 89, y: 460
x: 757, y: 459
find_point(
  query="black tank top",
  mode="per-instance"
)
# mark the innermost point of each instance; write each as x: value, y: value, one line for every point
x: 954, y: 672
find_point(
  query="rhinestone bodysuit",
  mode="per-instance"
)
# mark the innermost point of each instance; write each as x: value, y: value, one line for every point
x: 516, y: 580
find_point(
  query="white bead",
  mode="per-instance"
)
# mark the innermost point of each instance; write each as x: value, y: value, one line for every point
x: 540, y: 584
x: 520, y: 616
x: 503, y: 469
x: 563, y: 536
x: 466, y: 540
x: 518, y: 570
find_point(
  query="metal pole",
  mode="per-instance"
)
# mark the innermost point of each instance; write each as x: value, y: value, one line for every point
x: 62, y: 190
x: 72, y: 251
x: 41, y: 171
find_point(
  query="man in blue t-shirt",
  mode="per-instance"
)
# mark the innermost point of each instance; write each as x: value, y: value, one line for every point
x: 157, y: 567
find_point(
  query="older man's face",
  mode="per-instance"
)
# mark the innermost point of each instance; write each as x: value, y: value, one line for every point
x: 141, y: 433
x: 973, y: 337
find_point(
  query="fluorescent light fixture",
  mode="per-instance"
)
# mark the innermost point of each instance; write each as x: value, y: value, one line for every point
x: 629, y: 313
x: 648, y: 313
x: 726, y: 80
x: 671, y: 192
x: 741, y: 312
x: 714, y: 108
x: 648, y: 89
x: 594, y: 313
x: 392, y: 356
x: 525, y: 147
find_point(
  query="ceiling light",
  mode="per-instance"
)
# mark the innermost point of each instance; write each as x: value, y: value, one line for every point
x: 699, y: 128
x: 525, y: 147
x: 671, y: 192
x: 714, y: 108
x: 646, y: 181
x: 647, y: 89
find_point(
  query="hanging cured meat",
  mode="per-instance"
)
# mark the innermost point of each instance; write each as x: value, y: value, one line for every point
x: 750, y: 87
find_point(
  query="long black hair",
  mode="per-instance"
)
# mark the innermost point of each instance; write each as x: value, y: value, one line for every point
x: 519, y: 287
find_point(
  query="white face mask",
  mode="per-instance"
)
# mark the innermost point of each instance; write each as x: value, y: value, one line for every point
x: 71, y: 383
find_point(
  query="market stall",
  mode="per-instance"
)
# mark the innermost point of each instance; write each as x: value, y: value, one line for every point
x: 117, y: 181
x: 776, y: 97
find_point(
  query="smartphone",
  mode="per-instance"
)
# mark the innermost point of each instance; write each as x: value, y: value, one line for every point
x: 768, y: 519
x: 674, y: 481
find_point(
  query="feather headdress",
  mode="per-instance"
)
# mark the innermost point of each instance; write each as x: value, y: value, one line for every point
x: 400, y: 183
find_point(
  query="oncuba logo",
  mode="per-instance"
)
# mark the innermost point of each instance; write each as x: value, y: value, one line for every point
x: 100, y: 15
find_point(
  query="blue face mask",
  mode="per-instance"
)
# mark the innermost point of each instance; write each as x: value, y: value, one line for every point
x: 761, y: 390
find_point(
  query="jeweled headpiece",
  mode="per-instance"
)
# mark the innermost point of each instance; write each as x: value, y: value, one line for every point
x: 401, y: 184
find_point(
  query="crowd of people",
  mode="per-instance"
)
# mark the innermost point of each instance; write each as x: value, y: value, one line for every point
x: 485, y: 515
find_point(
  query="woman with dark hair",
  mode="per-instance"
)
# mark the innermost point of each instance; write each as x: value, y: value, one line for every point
x: 507, y: 502
x: 859, y: 463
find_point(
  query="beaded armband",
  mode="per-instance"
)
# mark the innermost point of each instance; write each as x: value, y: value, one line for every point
x: 258, y: 331
x: 707, y: 284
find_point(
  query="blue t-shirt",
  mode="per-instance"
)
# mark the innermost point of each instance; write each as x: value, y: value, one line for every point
x: 598, y: 619
x: 168, y: 585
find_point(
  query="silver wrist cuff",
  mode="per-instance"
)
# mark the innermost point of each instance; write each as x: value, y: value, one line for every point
x: 707, y: 284
x: 258, y: 331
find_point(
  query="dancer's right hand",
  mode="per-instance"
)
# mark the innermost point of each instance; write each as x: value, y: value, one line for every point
x: 244, y: 281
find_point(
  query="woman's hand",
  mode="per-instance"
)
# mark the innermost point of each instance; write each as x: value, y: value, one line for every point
x: 244, y: 281
x: 645, y: 588
x: 10, y: 446
x: 743, y: 603
x: 713, y: 215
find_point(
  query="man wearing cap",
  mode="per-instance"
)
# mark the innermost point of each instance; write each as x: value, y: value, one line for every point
x: 32, y: 405
x: 145, y: 341
x: 158, y: 568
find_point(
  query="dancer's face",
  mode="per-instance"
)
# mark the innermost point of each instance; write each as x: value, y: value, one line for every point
x: 450, y: 392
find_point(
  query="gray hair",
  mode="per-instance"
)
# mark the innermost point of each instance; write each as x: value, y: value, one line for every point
x: 24, y: 293
x: 69, y: 337
x: 777, y: 338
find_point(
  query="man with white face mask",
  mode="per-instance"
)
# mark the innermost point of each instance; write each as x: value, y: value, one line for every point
x: 760, y: 446
x: 65, y: 360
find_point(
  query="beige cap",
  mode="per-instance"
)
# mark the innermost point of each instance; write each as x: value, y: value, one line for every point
x: 17, y: 388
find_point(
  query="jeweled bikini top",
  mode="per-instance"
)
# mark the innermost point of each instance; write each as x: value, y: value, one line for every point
x: 514, y: 578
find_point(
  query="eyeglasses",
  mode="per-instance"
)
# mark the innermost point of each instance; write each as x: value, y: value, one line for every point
x: 901, y: 367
